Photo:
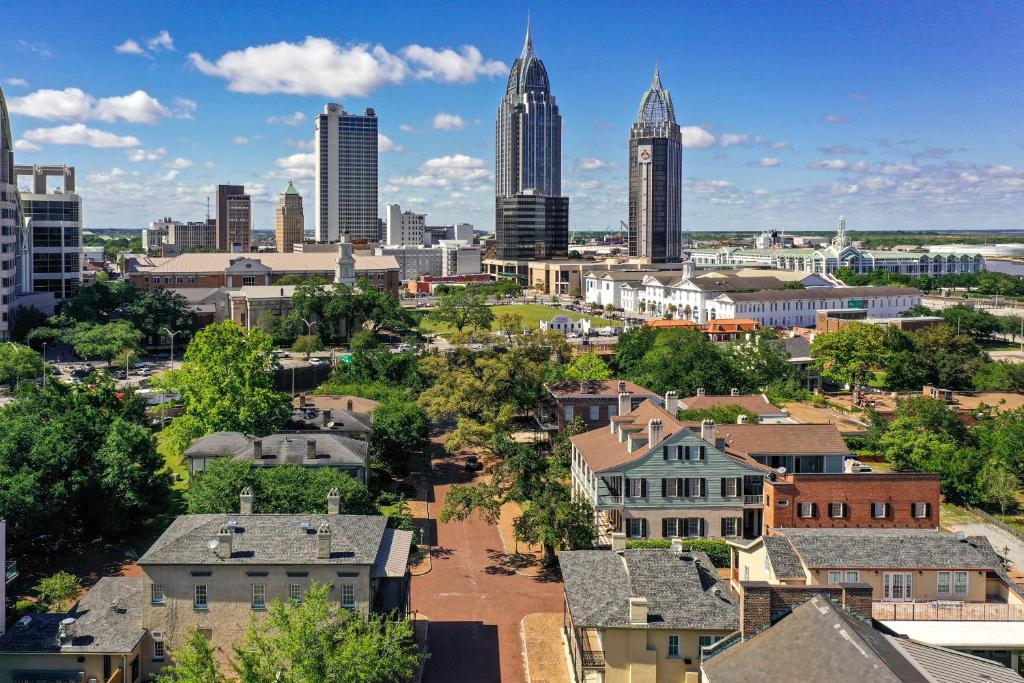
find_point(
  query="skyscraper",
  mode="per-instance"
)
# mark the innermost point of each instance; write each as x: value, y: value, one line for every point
x: 345, y: 190
x: 289, y: 224
x: 234, y: 219
x: 529, y: 208
x: 655, y: 178
x: 10, y: 220
x: 50, y: 257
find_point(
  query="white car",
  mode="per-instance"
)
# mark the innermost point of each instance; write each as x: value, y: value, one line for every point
x: 572, y: 335
x: 317, y: 361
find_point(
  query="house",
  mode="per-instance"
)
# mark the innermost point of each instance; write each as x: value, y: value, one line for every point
x: 642, y: 615
x: 798, y: 448
x: 847, y: 646
x: 757, y: 404
x: 649, y: 476
x: 595, y: 402
x: 943, y: 589
x: 566, y: 324
x: 346, y: 415
x: 907, y: 500
x: 308, y: 449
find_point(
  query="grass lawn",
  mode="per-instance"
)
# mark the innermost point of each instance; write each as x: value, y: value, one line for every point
x: 175, y: 464
x: 531, y: 314
x: 952, y: 514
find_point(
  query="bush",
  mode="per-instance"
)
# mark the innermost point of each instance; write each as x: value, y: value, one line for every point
x: 717, y: 551
x: 23, y: 607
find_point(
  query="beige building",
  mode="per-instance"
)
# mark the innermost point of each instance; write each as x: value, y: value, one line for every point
x: 289, y: 226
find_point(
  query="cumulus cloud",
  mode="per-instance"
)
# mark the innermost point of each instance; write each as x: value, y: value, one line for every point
x: 592, y: 164
x: 318, y: 66
x: 130, y: 47
x: 240, y: 140
x: 836, y: 119
x: 443, y: 121
x: 386, y: 144
x: 138, y: 155
x: 768, y: 162
x: 179, y: 163
x: 842, y: 149
x: 730, y: 139
x: 298, y: 165
x: 294, y: 119
x: 26, y: 146
x: 831, y: 165
x: 139, y: 107
x: 17, y: 81
x: 184, y: 108
x: 695, y: 137
x: 161, y: 41
x: 442, y: 172
x: 406, y: 128
x: 76, y: 105
x: 79, y: 134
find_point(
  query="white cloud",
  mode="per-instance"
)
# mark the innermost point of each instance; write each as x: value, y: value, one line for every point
x: 184, y: 108
x: 836, y: 119
x: 239, y: 140
x: 845, y: 188
x: 406, y: 128
x: 899, y: 169
x: 26, y: 146
x: 443, y: 121
x: 179, y: 163
x: 17, y: 81
x: 160, y: 41
x: 209, y: 164
x: 386, y: 144
x: 139, y: 107
x: 592, y: 164
x: 695, y: 137
x: 130, y: 47
x: 138, y: 155
x: 446, y: 171
x: 296, y: 119
x: 79, y: 134
x: 730, y: 139
x: 449, y: 66
x: 169, y: 176
x: 831, y: 165
x: 768, y: 162
x: 52, y: 105
x: 297, y: 165
x: 40, y: 49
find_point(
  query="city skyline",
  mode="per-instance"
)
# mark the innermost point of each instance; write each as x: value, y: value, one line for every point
x: 790, y: 115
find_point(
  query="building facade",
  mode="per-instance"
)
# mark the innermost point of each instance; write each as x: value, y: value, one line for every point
x: 191, y: 236
x: 655, y: 178
x: 404, y: 227
x: 532, y: 226
x: 289, y: 222
x: 10, y: 221
x: 798, y: 307
x: 155, y: 235
x: 595, y: 403
x: 234, y: 219
x: 51, y: 255
x: 345, y: 181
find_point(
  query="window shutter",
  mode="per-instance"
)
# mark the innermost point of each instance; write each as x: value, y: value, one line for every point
x: 664, y: 527
x: 643, y: 527
x: 627, y: 525
x: 700, y: 453
x: 680, y: 486
x: 664, y: 452
x: 739, y: 486
x: 701, y: 527
x: 664, y: 488
x: 723, y: 534
x: 703, y: 488
x: 723, y: 494
x: 643, y: 488
x: 686, y: 452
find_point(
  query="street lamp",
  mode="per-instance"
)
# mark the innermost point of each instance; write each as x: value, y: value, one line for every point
x: 309, y: 327
x: 171, y: 335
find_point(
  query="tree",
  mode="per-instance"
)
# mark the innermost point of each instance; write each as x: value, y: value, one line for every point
x: 24, y: 319
x: 103, y: 342
x: 380, y: 310
x: 307, y: 344
x: 18, y: 363
x: 555, y: 520
x: 461, y: 309
x: 762, y: 360
x: 226, y: 385
x: 720, y: 414
x: 153, y: 312
x: 318, y: 641
x: 364, y: 340
x: 949, y: 360
x: 587, y: 367
x: 850, y: 354
x: 194, y: 662
x: 400, y: 432
x: 682, y: 360
x: 59, y: 591
x: 999, y: 486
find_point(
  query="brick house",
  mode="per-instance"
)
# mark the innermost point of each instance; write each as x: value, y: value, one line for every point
x: 895, y: 500
x: 594, y: 402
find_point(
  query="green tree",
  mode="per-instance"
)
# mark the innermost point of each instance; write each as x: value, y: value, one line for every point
x: 59, y: 591
x: 307, y: 344
x: 950, y: 360
x: 460, y: 309
x: 153, y: 312
x: 762, y: 360
x: 685, y: 361
x: 851, y: 354
x: 400, y: 432
x: 587, y: 367
x: 364, y: 340
x: 18, y: 363
x: 318, y: 641
x: 998, y: 486
x: 194, y: 662
x: 103, y: 342
x: 24, y: 319
x: 381, y: 311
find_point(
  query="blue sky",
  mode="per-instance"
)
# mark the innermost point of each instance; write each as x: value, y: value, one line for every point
x: 900, y: 115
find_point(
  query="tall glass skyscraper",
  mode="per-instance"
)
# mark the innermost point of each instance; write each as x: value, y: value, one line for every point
x: 655, y: 178
x: 345, y: 188
x: 10, y: 220
x: 528, y: 164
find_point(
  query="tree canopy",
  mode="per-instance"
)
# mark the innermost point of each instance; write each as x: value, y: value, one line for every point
x: 460, y: 309
x: 18, y: 363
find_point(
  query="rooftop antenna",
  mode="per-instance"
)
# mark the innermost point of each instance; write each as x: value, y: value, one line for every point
x: 207, y: 208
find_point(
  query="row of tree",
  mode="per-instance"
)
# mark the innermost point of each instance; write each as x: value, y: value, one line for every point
x: 990, y: 282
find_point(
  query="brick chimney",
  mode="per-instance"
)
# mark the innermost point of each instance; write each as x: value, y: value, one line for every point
x: 708, y: 431
x: 257, y: 449
x: 618, y: 541
x: 311, y: 449
x: 638, y: 611
x: 700, y: 391
x: 334, y: 502
x: 325, y: 417
x: 323, y: 541
x: 760, y: 600
x: 672, y: 402
x: 625, y: 402
x: 245, y: 501
x: 653, y: 432
x: 224, y: 537
x: 348, y: 405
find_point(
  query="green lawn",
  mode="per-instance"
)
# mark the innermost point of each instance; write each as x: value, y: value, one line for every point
x: 953, y: 514
x: 531, y: 314
x: 175, y: 464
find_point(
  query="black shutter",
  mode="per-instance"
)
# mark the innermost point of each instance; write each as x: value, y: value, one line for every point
x: 686, y: 487
x: 664, y: 453
x: 643, y: 528
x: 664, y: 527
x: 643, y: 488
x: 664, y: 488
x: 627, y: 525
x: 723, y: 487
x: 703, y: 487
x: 686, y: 453
x: 723, y: 534
x: 702, y: 453
x: 680, y: 486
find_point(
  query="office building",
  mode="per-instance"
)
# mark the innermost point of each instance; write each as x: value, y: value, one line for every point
x: 459, y: 231
x: 290, y: 224
x: 655, y: 178
x: 191, y: 236
x: 404, y: 227
x: 50, y: 259
x: 234, y: 219
x: 531, y: 216
x: 154, y: 236
x: 10, y: 220
x: 345, y: 188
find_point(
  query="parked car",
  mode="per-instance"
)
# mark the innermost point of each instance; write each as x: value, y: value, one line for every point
x: 317, y: 361
x: 473, y: 464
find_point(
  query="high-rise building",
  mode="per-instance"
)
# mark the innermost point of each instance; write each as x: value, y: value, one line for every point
x: 191, y: 236
x: 234, y: 219
x: 289, y: 224
x: 528, y: 164
x: 345, y: 189
x: 655, y: 178
x: 404, y: 227
x: 155, y: 235
x: 10, y: 220
x: 50, y: 258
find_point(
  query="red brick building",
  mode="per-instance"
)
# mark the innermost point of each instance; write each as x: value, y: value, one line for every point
x: 595, y: 402
x: 903, y: 500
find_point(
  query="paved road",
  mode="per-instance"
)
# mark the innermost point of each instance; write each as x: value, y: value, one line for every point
x: 999, y: 539
x: 474, y: 603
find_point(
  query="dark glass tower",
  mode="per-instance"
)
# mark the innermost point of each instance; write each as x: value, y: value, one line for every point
x: 10, y: 220
x: 655, y: 178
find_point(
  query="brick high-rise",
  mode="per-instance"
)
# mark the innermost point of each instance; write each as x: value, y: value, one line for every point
x: 234, y: 219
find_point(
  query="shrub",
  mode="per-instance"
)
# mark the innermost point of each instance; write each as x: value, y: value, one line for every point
x: 717, y: 551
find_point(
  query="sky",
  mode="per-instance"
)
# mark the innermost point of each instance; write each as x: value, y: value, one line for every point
x: 898, y: 115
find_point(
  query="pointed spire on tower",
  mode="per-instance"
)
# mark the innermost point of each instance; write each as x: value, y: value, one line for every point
x: 656, y: 82
x: 528, y: 43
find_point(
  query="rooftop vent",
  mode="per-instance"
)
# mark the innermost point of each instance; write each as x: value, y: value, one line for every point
x: 66, y: 630
x: 305, y: 526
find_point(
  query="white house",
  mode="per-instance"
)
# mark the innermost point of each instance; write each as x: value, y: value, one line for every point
x: 565, y: 324
x: 604, y: 287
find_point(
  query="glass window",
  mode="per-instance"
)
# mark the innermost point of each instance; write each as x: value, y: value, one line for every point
x: 693, y: 487
x: 673, y: 646
x: 259, y: 596
x: 836, y: 510
x: 295, y: 593
x: 199, y: 601
x: 835, y: 577
x: 568, y: 413
x: 960, y: 583
x: 944, y: 583
x: 595, y: 413
x: 730, y: 526
x: 707, y: 641
x: 156, y: 594
x: 348, y: 596
x: 879, y: 510
x: 158, y: 650
x: 806, y: 510
x: 852, y: 577
x: 691, y: 526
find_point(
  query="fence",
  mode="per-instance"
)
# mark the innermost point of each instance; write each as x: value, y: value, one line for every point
x: 997, y: 522
x: 294, y: 380
x: 946, y: 611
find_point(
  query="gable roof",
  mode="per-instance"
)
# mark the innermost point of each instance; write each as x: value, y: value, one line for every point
x: 331, y: 449
x: 302, y: 262
x: 785, y: 562
x: 782, y: 439
x: 755, y: 403
x: 601, y: 448
x: 888, y: 549
x: 818, y: 293
x: 734, y: 283
x: 683, y: 591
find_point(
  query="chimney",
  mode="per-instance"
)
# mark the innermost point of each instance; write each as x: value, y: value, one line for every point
x: 653, y: 432
x: 618, y: 541
x: 333, y: 502
x: 310, y: 449
x: 257, y: 449
x: 707, y: 431
x: 741, y: 419
x: 700, y: 391
x: 672, y: 403
x: 625, y: 402
x: 734, y: 392
x: 323, y: 540
x: 755, y: 607
x: 325, y: 417
x: 638, y: 611
x: 67, y: 631
x: 348, y: 405
x: 245, y: 501
x: 622, y: 386
x: 223, y: 548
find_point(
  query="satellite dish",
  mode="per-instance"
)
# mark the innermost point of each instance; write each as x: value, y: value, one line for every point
x: 212, y: 544
x: 781, y: 470
x: 959, y: 535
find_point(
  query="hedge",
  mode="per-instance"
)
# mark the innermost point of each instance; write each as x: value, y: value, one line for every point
x: 717, y: 551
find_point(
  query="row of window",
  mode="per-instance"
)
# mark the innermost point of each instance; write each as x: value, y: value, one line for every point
x: 684, y: 527
x: 840, y: 510
x: 702, y: 642
x: 685, y: 487
x: 201, y: 595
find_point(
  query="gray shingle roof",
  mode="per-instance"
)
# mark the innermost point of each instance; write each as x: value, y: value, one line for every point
x: 950, y: 666
x: 343, y: 420
x: 393, y: 554
x: 887, y: 548
x: 269, y: 539
x: 331, y: 449
x: 100, y: 628
x: 820, y: 293
x: 680, y: 589
x: 785, y: 562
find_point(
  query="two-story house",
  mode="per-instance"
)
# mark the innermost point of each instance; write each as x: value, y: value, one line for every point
x: 594, y: 402
x: 643, y: 615
x: 649, y: 476
x: 939, y: 588
x: 308, y: 449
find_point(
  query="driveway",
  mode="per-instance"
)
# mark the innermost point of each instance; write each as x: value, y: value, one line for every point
x: 1000, y: 540
x: 474, y: 601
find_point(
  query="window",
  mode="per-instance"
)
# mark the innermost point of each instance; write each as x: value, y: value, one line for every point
x: 669, y: 527
x: 595, y: 413
x: 730, y: 526
x: 694, y: 487
x: 952, y: 583
x: 156, y: 594
x: 673, y: 646
x: 729, y: 487
x: 707, y: 641
x: 672, y: 488
x: 569, y: 413
x: 783, y: 502
x: 959, y: 583
x: 295, y: 593
x: 636, y: 527
x: 897, y: 587
x: 158, y: 650
x: 692, y: 527
x: 837, y: 576
x: 920, y: 510
x: 682, y: 452
x: 259, y: 596
x: 836, y: 510
x: 199, y: 601
x: 348, y: 596
x: 806, y: 510
x: 852, y: 577
x: 879, y: 510
x: 701, y: 452
x: 636, y: 488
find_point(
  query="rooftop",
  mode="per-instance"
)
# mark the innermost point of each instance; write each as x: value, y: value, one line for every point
x: 609, y: 388
x: 820, y: 293
x: 889, y: 549
x: 782, y: 439
x: 300, y: 262
x: 755, y: 403
x: 601, y: 447
x: 683, y: 591
x: 277, y: 449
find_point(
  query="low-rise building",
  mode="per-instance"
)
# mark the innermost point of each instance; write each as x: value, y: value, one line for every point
x: 828, y: 320
x: 786, y: 448
x: 757, y: 404
x: 308, y: 449
x: 566, y: 324
x: 642, y: 615
x: 594, y: 402
x: 798, y: 307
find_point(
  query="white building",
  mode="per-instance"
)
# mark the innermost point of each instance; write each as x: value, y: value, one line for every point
x: 796, y: 307
x: 155, y: 235
x: 566, y: 325
x: 460, y: 257
x: 51, y: 257
x: 404, y: 227
x: 345, y: 182
x: 604, y: 287
x: 450, y: 257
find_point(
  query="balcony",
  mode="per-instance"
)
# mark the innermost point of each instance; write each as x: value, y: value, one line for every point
x: 591, y: 654
x: 11, y: 572
x: 609, y: 500
x: 754, y: 499
x: 946, y: 610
